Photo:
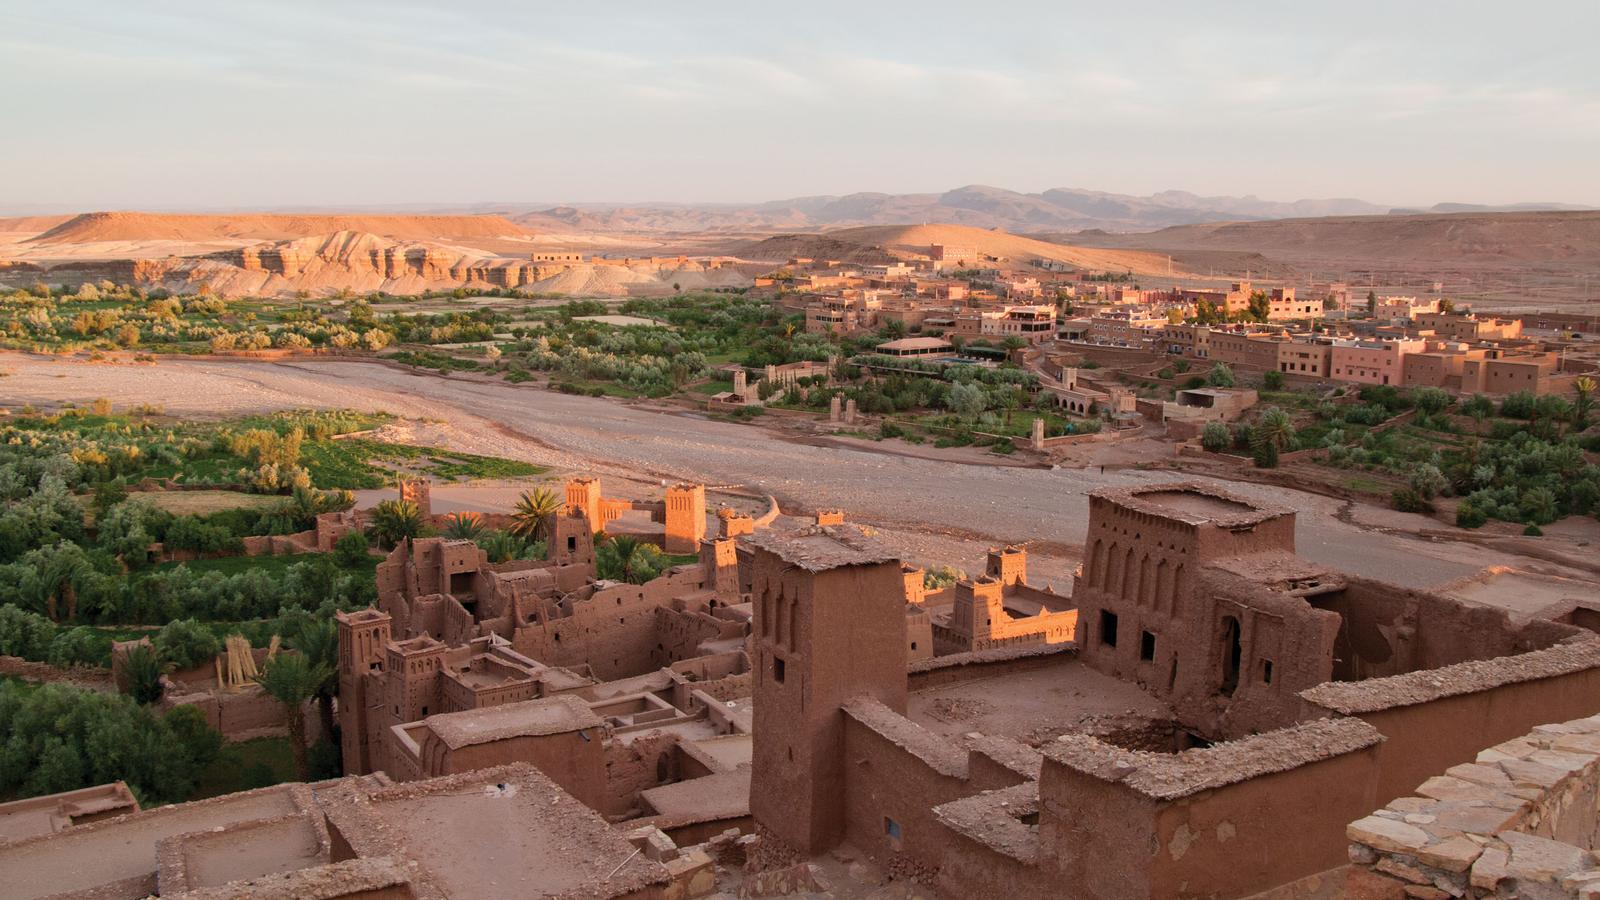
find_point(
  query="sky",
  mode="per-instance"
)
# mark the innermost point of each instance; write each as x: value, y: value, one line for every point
x: 204, y: 105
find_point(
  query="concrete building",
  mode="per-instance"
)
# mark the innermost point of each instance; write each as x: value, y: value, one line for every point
x: 1375, y: 361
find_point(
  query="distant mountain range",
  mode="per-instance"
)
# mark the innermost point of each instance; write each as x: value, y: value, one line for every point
x: 1055, y: 210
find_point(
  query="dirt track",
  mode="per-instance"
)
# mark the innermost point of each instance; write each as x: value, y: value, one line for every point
x: 937, y: 499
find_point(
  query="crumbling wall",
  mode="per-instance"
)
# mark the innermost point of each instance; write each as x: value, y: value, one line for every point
x: 642, y: 762
x: 614, y: 630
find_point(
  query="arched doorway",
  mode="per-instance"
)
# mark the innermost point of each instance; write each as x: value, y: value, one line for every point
x: 1231, y: 653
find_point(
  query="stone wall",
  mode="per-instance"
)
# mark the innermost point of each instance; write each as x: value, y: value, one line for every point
x: 1519, y: 821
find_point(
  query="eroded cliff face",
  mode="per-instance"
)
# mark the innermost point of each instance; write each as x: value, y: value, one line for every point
x: 363, y: 262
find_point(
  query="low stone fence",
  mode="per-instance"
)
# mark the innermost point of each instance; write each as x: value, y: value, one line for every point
x: 1520, y: 821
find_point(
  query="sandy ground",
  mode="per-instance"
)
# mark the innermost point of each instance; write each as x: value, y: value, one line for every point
x: 938, y: 509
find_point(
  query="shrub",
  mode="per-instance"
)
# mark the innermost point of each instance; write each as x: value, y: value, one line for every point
x: 186, y: 643
x: 1428, y: 481
x: 1533, y: 531
x: 1469, y: 516
x: 1272, y: 381
x: 1407, y: 500
x: 1215, y: 437
x: 1220, y: 376
x: 351, y: 549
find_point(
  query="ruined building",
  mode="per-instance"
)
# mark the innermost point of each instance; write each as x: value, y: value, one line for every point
x: 1281, y: 701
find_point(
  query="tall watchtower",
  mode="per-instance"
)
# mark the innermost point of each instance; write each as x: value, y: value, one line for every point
x: 685, y: 518
x: 363, y: 634
x: 829, y: 626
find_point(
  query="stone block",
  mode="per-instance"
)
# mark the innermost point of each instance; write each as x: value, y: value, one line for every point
x: 1531, y: 774
x: 1540, y: 859
x: 1387, y: 835
x: 1444, y: 787
x: 1586, y: 744
x: 1490, y: 867
x: 1488, y: 776
x: 1397, y: 869
x: 1456, y: 854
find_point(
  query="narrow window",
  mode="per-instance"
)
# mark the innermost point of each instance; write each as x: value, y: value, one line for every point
x: 891, y: 828
x: 777, y: 669
x: 1147, y: 646
x: 1266, y: 671
x: 1108, y: 628
x: 572, y: 544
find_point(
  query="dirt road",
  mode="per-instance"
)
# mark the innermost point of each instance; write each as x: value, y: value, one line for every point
x: 912, y: 495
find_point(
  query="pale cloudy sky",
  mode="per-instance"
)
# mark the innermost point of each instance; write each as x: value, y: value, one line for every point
x: 158, y: 104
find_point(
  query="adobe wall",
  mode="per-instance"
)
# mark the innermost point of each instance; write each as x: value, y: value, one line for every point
x: 959, y: 667
x: 642, y: 762
x: 1217, y: 821
x: 896, y: 770
x: 1432, y: 720
x: 614, y: 630
x: 578, y: 765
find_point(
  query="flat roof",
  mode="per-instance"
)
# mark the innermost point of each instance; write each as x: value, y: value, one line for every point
x: 1193, y: 502
x: 503, y: 832
x: 528, y: 718
x: 822, y: 547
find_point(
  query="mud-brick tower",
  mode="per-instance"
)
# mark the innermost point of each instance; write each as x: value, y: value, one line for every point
x: 685, y: 518
x: 583, y: 495
x: 829, y: 626
x: 363, y: 635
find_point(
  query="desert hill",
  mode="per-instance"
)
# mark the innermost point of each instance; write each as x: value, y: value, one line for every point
x: 1473, y: 238
x: 100, y: 227
x: 30, y: 224
x: 328, y: 264
x: 874, y: 243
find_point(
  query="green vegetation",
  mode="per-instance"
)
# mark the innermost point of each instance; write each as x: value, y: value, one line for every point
x: 1522, y: 462
x: 623, y: 558
x: 61, y: 738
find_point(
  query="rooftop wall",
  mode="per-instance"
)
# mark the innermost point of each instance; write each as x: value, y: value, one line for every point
x: 1437, y: 718
x: 1121, y: 823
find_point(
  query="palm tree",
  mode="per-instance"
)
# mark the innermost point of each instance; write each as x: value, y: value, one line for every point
x: 625, y: 558
x: 465, y: 526
x: 531, y: 516
x: 317, y: 639
x: 503, y: 545
x: 292, y: 679
x: 1583, y: 402
x: 144, y: 670
x: 1275, y: 428
x: 396, y: 520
